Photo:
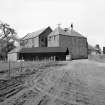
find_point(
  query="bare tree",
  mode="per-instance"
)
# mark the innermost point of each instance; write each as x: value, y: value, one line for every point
x: 6, y: 34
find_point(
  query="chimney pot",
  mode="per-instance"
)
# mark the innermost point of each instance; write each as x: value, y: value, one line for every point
x: 72, y: 26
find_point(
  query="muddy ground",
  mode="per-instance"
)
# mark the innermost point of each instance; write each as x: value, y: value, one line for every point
x: 77, y: 82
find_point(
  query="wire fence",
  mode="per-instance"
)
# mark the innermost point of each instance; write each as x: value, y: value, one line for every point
x: 10, y: 69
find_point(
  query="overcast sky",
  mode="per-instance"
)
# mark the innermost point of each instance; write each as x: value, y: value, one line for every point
x: 27, y: 16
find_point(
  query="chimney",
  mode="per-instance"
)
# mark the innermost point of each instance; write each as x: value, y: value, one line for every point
x: 71, y: 26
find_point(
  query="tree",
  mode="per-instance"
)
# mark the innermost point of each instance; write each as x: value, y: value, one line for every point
x: 103, y: 50
x: 7, y: 37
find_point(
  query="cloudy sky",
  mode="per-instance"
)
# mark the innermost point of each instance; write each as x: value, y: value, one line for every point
x: 88, y: 16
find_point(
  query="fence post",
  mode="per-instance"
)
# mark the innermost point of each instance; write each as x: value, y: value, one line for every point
x: 54, y: 58
x: 21, y: 64
x: 9, y: 70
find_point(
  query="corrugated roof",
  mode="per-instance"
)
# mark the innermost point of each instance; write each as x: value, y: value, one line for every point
x: 34, y: 34
x: 60, y: 31
x: 42, y: 50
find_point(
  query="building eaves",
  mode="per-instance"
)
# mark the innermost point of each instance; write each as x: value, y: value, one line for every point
x: 43, y: 50
x: 60, y: 31
x: 34, y: 34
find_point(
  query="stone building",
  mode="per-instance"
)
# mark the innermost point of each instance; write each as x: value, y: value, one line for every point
x: 56, y: 44
x: 69, y: 39
x: 36, y: 39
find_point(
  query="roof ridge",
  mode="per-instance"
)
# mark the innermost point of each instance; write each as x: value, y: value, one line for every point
x: 36, y: 33
x: 57, y: 30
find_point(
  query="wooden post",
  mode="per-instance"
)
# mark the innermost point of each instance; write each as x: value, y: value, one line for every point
x: 9, y: 70
x: 54, y: 58
x: 21, y: 65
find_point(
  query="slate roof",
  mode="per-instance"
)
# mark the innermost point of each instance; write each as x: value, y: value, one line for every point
x: 75, y: 33
x: 43, y: 50
x: 34, y: 34
x: 60, y: 31
x: 57, y: 31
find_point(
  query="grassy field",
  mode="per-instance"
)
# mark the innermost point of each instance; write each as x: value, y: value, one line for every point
x: 97, y: 57
x: 17, y: 68
x: 5, y: 65
x: 77, y: 82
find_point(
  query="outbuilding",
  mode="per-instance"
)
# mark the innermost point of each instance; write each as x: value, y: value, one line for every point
x: 58, y: 44
x: 70, y: 39
x: 14, y: 54
x: 43, y: 53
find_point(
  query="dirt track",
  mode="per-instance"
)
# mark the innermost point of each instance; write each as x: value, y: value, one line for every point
x: 80, y: 82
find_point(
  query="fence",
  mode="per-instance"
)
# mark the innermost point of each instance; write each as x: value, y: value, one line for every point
x: 10, y: 69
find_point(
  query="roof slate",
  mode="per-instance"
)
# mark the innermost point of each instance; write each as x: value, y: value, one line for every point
x: 74, y: 33
x: 34, y: 34
x: 60, y: 31
x: 43, y: 50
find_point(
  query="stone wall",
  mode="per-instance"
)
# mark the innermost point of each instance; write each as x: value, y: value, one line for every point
x: 43, y: 38
x: 77, y: 45
x: 53, y: 41
x: 39, y: 40
x: 12, y: 57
